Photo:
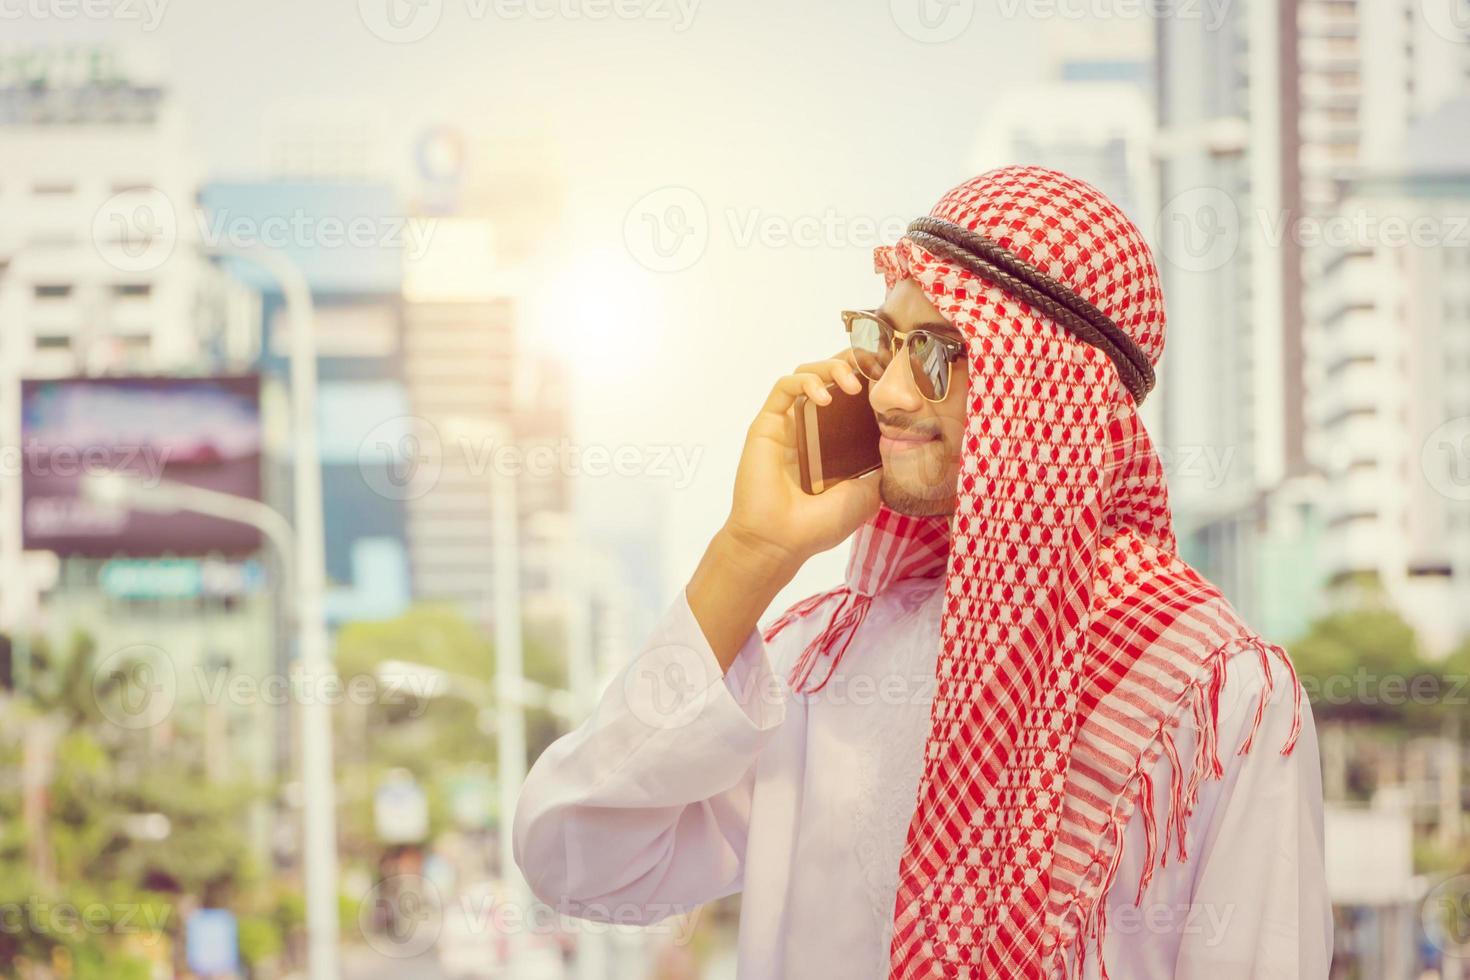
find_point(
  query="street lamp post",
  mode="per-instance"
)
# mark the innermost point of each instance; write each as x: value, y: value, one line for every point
x: 510, y: 668
x: 318, y: 781
x: 510, y: 717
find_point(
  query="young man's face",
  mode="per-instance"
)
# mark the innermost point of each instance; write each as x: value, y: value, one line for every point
x: 921, y: 444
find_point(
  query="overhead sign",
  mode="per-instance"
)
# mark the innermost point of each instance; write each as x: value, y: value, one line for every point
x: 201, y: 432
x: 180, y: 578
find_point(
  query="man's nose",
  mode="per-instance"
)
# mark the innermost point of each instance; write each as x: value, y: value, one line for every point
x: 895, y: 391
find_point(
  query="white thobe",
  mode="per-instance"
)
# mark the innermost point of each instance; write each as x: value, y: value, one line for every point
x: 684, y: 786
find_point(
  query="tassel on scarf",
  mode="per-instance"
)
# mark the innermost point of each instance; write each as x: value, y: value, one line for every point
x: 1296, y: 700
x: 799, y: 610
x: 1176, y: 800
x: 839, y: 630
x: 1260, y: 701
x: 1101, y: 928
x: 1184, y: 795
x: 1150, y: 834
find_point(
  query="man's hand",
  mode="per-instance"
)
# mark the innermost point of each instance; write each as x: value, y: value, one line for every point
x: 774, y: 526
x: 770, y: 512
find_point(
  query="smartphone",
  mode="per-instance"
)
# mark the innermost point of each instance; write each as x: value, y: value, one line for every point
x: 836, y: 441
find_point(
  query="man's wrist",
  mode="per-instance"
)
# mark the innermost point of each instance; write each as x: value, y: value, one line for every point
x: 761, y: 563
x: 734, y: 583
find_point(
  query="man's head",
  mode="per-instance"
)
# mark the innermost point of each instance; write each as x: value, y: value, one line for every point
x: 1067, y: 291
x: 921, y: 439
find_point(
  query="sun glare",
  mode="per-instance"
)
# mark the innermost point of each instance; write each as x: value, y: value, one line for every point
x: 595, y: 311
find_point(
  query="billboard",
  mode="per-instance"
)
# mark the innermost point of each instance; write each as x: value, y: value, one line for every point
x: 204, y: 432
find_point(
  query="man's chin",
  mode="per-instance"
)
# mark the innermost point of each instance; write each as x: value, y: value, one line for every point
x: 915, y: 501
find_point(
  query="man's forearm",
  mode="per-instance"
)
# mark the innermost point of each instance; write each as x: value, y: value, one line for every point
x: 732, y: 586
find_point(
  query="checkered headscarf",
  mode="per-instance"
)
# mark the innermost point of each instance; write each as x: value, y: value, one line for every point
x: 1053, y: 700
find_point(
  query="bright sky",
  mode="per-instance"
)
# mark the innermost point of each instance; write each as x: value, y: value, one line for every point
x: 776, y: 120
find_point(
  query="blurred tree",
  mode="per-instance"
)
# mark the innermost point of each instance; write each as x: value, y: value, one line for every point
x: 1456, y: 667
x: 125, y: 831
x: 393, y: 726
x: 1365, y: 665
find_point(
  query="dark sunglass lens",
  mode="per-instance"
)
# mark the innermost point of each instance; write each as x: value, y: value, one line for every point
x: 870, y: 346
x: 931, y: 368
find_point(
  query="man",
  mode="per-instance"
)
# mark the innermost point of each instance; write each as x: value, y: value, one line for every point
x: 1024, y: 739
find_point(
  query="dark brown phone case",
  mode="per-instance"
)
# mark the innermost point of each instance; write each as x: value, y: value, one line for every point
x: 836, y: 441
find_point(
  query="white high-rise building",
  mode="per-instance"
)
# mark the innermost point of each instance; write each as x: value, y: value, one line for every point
x: 1263, y: 123
x: 1369, y: 73
x: 1380, y: 154
x: 1227, y: 396
x: 1390, y: 412
x: 1100, y: 131
x: 101, y: 269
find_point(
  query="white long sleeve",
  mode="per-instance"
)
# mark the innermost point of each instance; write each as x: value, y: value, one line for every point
x: 643, y: 811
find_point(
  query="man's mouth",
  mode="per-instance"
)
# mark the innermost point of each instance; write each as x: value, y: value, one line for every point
x: 901, y: 440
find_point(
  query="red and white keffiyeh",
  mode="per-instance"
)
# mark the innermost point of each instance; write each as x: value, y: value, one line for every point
x: 1074, y: 640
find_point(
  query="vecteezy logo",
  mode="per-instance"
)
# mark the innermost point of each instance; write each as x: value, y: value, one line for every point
x: 668, y: 685
x: 400, y: 21
x: 667, y: 229
x: 1450, y: 19
x: 1445, y: 459
x: 1446, y: 916
x: 1199, y: 229
x: 402, y: 916
x: 932, y: 21
x: 136, y: 230
x: 401, y: 459
x: 135, y: 687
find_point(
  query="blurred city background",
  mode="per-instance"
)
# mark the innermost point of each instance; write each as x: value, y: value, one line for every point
x: 373, y: 375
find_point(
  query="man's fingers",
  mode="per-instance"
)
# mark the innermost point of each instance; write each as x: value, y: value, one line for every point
x: 845, y: 373
x: 810, y: 380
x: 784, y: 393
x: 838, y: 369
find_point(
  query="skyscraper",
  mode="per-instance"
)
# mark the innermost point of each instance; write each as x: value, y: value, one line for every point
x: 1390, y: 418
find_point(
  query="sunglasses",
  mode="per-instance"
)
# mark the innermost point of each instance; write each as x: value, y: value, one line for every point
x: 875, y: 340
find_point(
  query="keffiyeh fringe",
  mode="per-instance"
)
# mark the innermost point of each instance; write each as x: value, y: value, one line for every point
x: 831, y: 643
x: 1204, y: 697
x: 889, y: 548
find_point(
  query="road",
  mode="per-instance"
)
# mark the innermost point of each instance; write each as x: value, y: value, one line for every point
x: 362, y: 963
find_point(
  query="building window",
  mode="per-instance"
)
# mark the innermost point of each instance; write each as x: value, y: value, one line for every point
x: 53, y: 290
x: 53, y: 342
x: 53, y: 188
x: 132, y: 290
